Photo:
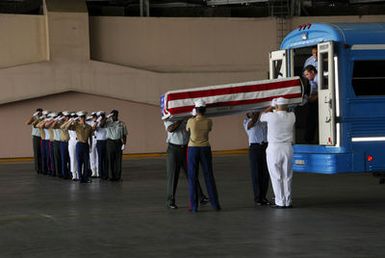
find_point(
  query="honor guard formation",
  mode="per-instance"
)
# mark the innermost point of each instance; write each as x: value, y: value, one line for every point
x: 78, y: 146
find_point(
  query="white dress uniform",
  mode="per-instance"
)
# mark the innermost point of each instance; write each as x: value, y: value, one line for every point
x: 280, y: 129
x: 72, y: 153
x: 94, y: 155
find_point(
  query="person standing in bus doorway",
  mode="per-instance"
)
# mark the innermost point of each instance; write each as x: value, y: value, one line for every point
x: 279, y: 152
x: 310, y: 73
x: 177, y: 139
x: 199, y: 152
x: 313, y: 59
x: 257, y: 136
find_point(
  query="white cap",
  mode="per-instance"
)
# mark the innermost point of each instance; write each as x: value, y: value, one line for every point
x: 93, y: 113
x: 200, y: 103
x: 81, y: 113
x: 45, y: 112
x: 282, y: 101
x: 52, y: 114
x: 99, y: 113
x: 66, y: 113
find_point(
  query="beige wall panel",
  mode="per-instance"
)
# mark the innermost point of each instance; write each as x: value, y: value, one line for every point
x: 146, y: 133
x: 183, y: 44
x: 23, y: 39
x: 68, y: 36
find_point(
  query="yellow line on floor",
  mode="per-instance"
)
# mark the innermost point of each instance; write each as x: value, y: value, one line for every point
x: 133, y: 156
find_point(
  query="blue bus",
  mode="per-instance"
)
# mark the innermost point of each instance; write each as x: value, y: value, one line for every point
x: 351, y: 96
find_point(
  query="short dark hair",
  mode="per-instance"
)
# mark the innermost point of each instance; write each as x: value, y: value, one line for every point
x: 310, y: 68
x: 201, y: 110
x: 39, y: 110
x: 115, y: 112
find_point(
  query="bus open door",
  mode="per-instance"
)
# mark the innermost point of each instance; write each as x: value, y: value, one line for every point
x: 326, y: 94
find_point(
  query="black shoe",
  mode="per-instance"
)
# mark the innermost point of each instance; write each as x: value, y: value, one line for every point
x: 266, y: 202
x: 172, y: 206
x: 260, y: 203
x: 204, y: 200
x: 289, y: 207
x: 218, y: 208
x: 277, y: 207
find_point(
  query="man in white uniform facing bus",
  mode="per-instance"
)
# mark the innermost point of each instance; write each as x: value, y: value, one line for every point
x: 280, y: 129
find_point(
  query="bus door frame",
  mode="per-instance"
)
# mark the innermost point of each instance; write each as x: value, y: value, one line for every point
x: 274, y: 58
x: 326, y: 94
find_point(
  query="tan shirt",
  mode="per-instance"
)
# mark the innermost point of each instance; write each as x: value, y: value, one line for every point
x: 83, y: 132
x: 64, y: 135
x: 199, y: 128
x: 51, y: 135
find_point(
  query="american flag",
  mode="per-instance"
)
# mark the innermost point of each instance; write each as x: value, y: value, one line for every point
x: 231, y: 98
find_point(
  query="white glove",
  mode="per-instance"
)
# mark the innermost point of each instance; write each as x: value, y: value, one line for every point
x: 274, y: 102
x: 99, y: 119
x: 194, y: 112
x: 109, y: 115
x: 36, y: 113
x: 123, y: 147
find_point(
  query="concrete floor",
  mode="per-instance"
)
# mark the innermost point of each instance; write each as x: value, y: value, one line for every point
x: 334, y: 216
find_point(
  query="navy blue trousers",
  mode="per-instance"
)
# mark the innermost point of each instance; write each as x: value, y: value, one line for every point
x: 202, y: 156
x: 65, y: 159
x: 101, y: 147
x: 44, y: 156
x: 83, y: 158
x: 51, y: 161
x: 259, y: 172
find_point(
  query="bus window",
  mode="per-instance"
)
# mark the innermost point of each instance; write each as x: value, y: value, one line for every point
x: 368, y: 77
x: 325, y: 71
x: 277, y: 69
x: 277, y: 64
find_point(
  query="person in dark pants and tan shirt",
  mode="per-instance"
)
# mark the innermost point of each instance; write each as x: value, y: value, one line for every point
x: 177, y: 139
x: 84, y: 137
x: 199, y: 152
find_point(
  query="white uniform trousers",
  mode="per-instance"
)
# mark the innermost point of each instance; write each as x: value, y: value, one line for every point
x: 73, y: 161
x: 94, y: 158
x: 278, y: 157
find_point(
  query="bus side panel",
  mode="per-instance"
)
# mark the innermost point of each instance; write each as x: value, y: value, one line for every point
x: 369, y: 156
x: 328, y: 161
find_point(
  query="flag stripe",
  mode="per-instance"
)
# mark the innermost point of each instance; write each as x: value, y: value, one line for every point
x: 232, y: 90
x: 185, y: 109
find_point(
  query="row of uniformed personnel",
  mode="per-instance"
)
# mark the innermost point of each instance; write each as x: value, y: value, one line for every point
x: 72, y: 145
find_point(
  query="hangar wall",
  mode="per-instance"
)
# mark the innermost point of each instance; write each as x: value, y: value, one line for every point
x: 135, y: 60
x: 23, y: 39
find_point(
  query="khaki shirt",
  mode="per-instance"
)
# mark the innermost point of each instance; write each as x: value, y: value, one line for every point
x: 64, y: 135
x: 51, y: 135
x: 83, y: 132
x: 199, y: 128
x: 115, y: 130
x: 42, y: 133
